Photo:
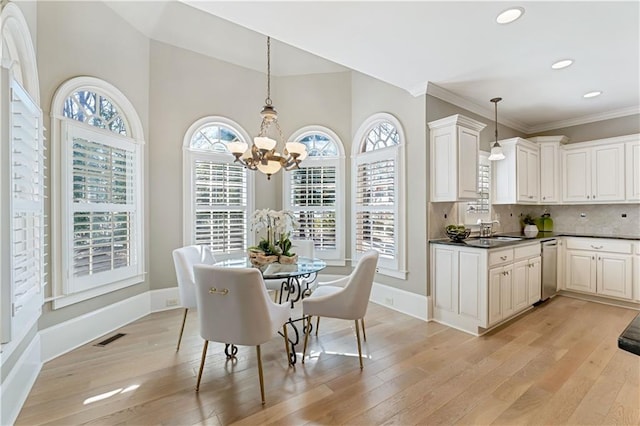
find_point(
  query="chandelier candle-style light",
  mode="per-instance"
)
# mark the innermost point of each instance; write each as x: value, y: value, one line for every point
x: 262, y: 155
x: 496, y: 148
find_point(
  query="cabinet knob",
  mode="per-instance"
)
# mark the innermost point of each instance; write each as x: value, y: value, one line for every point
x: 593, y: 258
x: 587, y: 197
x: 596, y: 247
x: 593, y: 197
x: 503, y: 257
x: 544, y: 198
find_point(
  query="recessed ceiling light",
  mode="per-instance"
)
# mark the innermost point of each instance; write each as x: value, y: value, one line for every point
x: 562, y: 64
x: 510, y: 15
x: 592, y: 94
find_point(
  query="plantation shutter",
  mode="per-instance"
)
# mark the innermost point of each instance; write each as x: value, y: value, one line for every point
x: 220, y: 198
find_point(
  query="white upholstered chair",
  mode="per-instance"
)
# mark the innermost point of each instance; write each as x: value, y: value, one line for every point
x: 184, y: 259
x: 346, y: 298
x: 303, y: 248
x: 234, y: 308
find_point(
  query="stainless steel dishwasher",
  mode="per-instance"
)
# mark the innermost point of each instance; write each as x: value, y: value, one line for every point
x: 549, y: 268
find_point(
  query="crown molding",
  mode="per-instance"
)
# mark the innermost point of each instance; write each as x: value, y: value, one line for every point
x: 624, y: 112
x: 447, y: 96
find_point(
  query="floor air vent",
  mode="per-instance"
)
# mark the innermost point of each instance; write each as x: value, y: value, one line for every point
x: 113, y: 338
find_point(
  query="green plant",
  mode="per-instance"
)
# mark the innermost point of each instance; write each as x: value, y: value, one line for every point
x: 528, y: 220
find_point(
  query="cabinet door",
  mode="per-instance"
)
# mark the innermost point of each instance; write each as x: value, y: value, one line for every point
x: 576, y: 175
x: 534, y: 280
x: 549, y: 176
x: 527, y: 165
x: 468, y: 146
x: 495, y: 302
x: 520, y: 278
x: 614, y: 275
x: 471, y: 268
x: 632, y: 171
x: 443, y: 170
x: 607, y: 173
x: 506, y: 292
x: 445, y: 278
x: 581, y: 271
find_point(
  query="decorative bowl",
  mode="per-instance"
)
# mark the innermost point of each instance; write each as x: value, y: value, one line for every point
x: 458, y: 234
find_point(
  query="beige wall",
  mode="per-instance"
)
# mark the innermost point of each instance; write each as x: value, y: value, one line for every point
x: 598, y: 130
x: 88, y: 38
x: 370, y: 96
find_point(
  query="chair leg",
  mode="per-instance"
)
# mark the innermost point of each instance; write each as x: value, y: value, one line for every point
x: 286, y: 343
x: 317, y: 325
x: 306, y: 337
x: 364, y: 333
x: 184, y: 320
x: 359, y: 348
x: 260, y: 373
x: 204, y: 356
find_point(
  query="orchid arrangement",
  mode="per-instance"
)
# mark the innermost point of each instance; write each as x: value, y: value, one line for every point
x: 277, y: 226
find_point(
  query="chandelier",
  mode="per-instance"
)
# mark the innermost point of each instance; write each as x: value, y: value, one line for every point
x: 496, y: 148
x: 262, y: 154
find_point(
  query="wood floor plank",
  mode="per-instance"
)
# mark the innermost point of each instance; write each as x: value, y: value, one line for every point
x: 556, y: 364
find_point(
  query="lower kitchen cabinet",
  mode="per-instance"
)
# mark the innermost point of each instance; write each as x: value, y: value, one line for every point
x: 599, y: 266
x: 474, y: 289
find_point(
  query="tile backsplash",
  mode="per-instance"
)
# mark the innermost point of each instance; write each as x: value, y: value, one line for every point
x: 595, y: 219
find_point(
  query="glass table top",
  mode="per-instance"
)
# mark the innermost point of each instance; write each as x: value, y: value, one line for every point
x: 304, y: 266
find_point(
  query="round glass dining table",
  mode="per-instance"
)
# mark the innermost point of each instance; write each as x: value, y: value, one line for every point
x: 293, y: 276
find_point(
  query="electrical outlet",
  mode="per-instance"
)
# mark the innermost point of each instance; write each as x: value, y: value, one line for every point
x: 171, y: 302
x: 388, y: 301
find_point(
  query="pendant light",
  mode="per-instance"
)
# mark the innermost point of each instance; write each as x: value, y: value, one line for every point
x: 496, y: 149
x: 262, y: 155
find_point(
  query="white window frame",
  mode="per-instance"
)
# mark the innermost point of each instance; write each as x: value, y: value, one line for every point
x: 66, y: 292
x: 394, y: 267
x: 189, y: 158
x: 334, y: 257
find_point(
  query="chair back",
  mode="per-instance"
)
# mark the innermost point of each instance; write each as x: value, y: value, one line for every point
x: 355, y: 296
x: 303, y: 248
x: 234, y: 306
x: 184, y: 259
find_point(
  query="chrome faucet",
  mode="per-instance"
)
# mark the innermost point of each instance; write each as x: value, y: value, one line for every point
x: 486, y: 228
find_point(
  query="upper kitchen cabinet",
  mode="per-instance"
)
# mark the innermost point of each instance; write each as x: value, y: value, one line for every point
x: 454, y: 147
x: 594, y: 171
x: 632, y: 154
x: 516, y: 179
x: 550, y: 177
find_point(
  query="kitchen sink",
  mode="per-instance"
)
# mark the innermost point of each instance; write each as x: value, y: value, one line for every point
x: 500, y: 238
x: 490, y: 241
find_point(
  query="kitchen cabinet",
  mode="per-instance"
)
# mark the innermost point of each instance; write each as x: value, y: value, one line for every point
x: 474, y: 289
x: 599, y: 266
x: 550, y: 178
x: 632, y: 155
x: 593, y: 173
x: 454, y: 150
x: 636, y: 273
x: 516, y: 179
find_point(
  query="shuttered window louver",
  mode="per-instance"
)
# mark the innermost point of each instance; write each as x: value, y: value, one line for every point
x: 375, y: 215
x: 104, y: 206
x: 481, y: 205
x: 220, y: 199
x: 25, y: 240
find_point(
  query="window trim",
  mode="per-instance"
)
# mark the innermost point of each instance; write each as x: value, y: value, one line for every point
x: 396, y: 268
x: 60, y: 186
x: 338, y: 259
x: 190, y: 155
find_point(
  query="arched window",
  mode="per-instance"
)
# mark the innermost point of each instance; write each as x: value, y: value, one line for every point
x: 315, y: 193
x: 216, y: 195
x: 98, y: 190
x: 378, y: 199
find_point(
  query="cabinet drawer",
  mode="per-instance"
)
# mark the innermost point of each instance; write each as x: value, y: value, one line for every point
x: 500, y: 256
x: 522, y: 252
x: 598, y: 244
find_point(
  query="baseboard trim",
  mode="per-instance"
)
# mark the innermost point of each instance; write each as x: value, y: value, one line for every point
x: 64, y: 337
x: 162, y: 299
x: 16, y: 387
x: 411, y: 304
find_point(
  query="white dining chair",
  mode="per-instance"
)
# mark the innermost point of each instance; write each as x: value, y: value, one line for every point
x: 346, y: 298
x: 303, y: 248
x: 234, y: 308
x: 184, y: 259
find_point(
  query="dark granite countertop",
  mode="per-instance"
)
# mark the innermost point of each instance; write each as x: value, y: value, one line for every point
x: 542, y: 236
x: 629, y: 340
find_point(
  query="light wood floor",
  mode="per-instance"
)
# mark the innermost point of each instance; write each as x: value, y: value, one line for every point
x: 558, y: 364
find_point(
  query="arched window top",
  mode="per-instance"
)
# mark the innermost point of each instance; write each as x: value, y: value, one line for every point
x: 379, y: 131
x: 321, y: 142
x: 213, y: 134
x: 96, y: 110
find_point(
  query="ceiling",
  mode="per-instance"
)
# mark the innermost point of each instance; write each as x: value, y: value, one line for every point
x: 453, y: 50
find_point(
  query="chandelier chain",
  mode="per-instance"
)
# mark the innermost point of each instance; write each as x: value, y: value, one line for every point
x: 268, y: 100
